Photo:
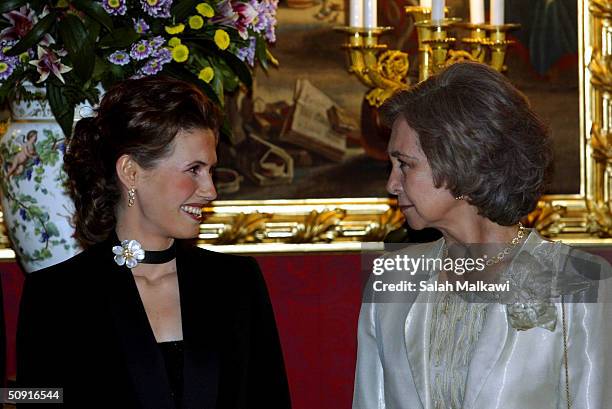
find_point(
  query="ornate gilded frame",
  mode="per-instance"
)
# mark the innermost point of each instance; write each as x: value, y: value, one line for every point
x: 341, y: 224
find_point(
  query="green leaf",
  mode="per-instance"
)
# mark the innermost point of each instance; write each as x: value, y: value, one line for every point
x: 95, y: 11
x: 239, y: 67
x: 182, y: 73
x: 100, y: 67
x: 8, y: 5
x: 62, y: 109
x: 52, y: 229
x: 217, y: 83
x: 260, y: 53
x: 119, y: 38
x: 34, y: 35
x: 182, y: 9
x: 76, y: 40
x: 236, y: 64
x: 93, y: 28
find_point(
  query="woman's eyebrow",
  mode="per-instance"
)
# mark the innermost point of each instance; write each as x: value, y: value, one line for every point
x: 199, y: 162
x: 398, y: 154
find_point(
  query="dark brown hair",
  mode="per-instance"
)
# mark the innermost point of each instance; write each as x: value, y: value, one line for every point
x: 480, y: 137
x: 138, y: 117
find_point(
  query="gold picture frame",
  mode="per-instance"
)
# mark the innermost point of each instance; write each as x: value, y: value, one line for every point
x: 342, y: 224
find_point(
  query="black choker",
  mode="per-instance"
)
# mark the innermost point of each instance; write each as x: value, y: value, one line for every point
x: 131, y: 254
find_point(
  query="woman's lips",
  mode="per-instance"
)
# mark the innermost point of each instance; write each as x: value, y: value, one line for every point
x: 405, y: 207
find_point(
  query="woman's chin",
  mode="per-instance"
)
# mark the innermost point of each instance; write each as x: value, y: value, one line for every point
x: 414, y: 223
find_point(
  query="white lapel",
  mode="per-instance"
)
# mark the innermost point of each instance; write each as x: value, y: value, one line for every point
x: 416, y: 335
x: 495, y: 336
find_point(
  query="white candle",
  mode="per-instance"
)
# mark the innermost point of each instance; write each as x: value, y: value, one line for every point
x: 437, y: 10
x: 370, y: 13
x: 497, y: 12
x: 356, y: 13
x: 477, y: 12
x: 425, y: 3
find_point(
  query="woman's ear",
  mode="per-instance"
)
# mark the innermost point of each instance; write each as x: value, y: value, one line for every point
x: 127, y: 170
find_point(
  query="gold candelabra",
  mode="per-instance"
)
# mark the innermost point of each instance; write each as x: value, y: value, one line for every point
x: 386, y: 71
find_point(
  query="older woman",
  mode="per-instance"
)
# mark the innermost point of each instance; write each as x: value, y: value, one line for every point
x: 470, y: 158
x: 142, y: 318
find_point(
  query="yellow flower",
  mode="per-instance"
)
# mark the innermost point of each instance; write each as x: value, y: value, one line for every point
x: 180, y: 53
x: 205, y: 10
x: 222, y: 39
x: 174, y: 41
x: 175, y: 29
x: 196, y: 22
x: 206, y: 74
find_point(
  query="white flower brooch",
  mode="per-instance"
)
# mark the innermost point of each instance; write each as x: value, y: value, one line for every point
x: 129, y: 253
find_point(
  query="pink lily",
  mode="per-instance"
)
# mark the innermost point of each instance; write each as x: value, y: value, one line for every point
x: 238, y: 15
x: 48, y: 62
x: 246, y: 15
x: 21, y: 21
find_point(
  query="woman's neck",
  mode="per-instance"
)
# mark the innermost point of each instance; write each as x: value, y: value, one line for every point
x: 478, y: 231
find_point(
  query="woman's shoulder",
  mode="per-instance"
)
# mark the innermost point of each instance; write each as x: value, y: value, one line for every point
x: 547, y: 268
x: 63, y: 271
x: 209, y: 256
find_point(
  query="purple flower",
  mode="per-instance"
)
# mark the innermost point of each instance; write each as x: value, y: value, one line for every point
x: 114, y: 7
x: 248, y: 53
x: 21, y: 21
x: 7, y: 66
x: 265, y: 22
x: 37, y: 161
x: 152, y: 67
x: 141, y: 50
x: 23, y: 214
x: 157, y: 8
x: 44, y: 237
x: 266, y: 19
x: 156, y: 64
x: 62, y: 147
x: 29, y: 174
x: 119, y: 58
x: 49, y: 62
x: 157, y: 42
x: 163, y: 55
x: 140, y: 26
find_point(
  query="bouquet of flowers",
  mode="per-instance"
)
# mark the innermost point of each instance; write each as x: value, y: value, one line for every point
x: 71, y: 46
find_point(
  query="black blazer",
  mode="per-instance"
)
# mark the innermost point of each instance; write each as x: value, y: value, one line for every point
x: 82, y: 326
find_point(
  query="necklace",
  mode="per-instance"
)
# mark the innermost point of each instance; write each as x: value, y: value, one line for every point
x: 503, y: 252
x: 131, y: 253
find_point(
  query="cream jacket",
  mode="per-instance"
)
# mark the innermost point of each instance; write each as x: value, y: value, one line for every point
x: 510, y: 369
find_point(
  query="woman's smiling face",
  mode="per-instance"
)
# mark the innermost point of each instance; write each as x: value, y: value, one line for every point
x: 168, y: 194
x: 411, y: 180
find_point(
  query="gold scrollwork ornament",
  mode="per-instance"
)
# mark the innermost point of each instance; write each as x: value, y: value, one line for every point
x: 244, y: 228
x: 318, y: 227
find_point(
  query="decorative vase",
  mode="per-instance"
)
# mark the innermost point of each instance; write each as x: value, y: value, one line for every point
x: 36, y: 207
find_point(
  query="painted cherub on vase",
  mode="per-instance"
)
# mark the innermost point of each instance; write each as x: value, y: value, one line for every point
x: 27, y: 151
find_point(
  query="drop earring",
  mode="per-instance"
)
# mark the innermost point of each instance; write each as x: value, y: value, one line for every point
x: 131, y: 196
